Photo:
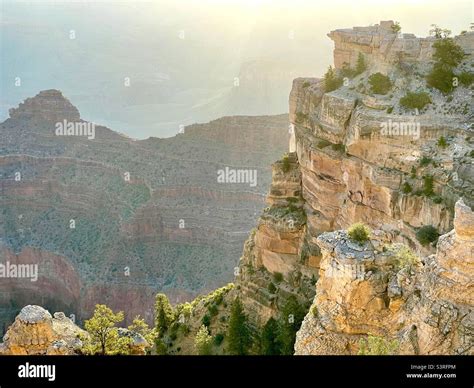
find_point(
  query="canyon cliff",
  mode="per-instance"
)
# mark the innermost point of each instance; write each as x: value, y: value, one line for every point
x: 410, y: 281
x: 115, y: 220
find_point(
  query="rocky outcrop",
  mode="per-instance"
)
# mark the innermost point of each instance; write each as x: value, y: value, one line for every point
x: 277, y: 261
x: 350, y: 170
x: 368, y: 289
x: 49, y: 105
x: 384, y: 46
x: 36, y: 332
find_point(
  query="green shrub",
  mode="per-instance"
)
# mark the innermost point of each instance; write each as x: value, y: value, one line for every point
x: 218, y: 338
x: 206, y: 320
x: 437, y: 199
x: 442, y: 143
x: 359, y: 232
x: 447, y: 52
x: 390, y: 109
x: 331, y: 80
x: 415, y: 100
x: 466, y: 78
x: 347, y: 71
x: 406, y: 188
x: 441, y: 78
x: 471, y: 154
x: 379, y: 83
x: 306, y: 84
x: 213, y: 310
x: 427, y: 234
x: 404, y: 256
x: 396, y: 28
x: 413, y: 172
x: 425, y: 160
x: 428, y: 185
x: 277, y: 277
x: 272, y: 288
x: 314, y: 311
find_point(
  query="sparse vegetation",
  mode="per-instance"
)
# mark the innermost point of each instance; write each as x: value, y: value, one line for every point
x: 428, y: 185
x: 427, y: 234
x: 405, y: 258
x: 415, y: 100
x: 378, y: 346
x: 359, y: 233
x: 448, y: 55
x: 406, y: 188
x: 306, y: 84
x: 466, y: 78
x: 396, y: 28
x: 272, y: 288
x: 442, y: 143
x: 361, y: 66
x: 331, y: 80
x: 277, y: 277
x: 425, y: 161
x: 203, y: 341
x: 379, y: 83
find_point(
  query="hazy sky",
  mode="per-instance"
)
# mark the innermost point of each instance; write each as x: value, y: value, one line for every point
x: 182, y: 56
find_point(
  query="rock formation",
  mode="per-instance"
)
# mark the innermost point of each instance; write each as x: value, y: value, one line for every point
x: 36, y: 332
x: 349, y: 170
x: 362, y: 290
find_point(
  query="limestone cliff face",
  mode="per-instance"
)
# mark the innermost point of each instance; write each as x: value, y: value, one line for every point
x: 350, y: 170
x: 355, y: 168
x: 426, y: 307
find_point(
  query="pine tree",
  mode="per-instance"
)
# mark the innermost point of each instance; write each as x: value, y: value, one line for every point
x: 103, y: 334
x: 291, y: 317
x: 203, y: 341
x: 361, y: 66
x: 238, y: 333
x: 269, y: 341
x: 164, y: 314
